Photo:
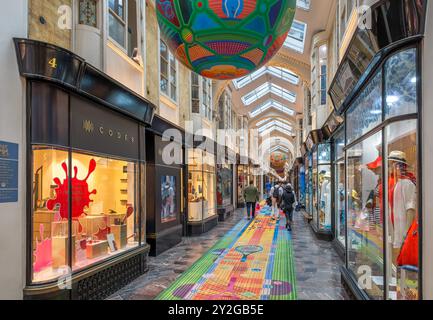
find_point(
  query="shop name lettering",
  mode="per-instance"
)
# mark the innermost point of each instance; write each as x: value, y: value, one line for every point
x: 89, y: 127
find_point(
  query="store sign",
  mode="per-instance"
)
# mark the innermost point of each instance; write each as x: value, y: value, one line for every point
x: 97, y: 129
x: 8, y: 172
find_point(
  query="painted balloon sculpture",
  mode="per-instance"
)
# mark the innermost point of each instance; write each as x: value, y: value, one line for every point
x: 225, y: 39
x: 278, y: 160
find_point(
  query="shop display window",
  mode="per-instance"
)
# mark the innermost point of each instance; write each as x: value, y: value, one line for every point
x: 340, y: 210
x: 315, y: 176
x: 224, y: 185
x: 340, y: 187
x: 209, y: 186
x: 169, y: 210
x: 309, y: 184
x: 365, y: 214
x: 242, y: 182
x: 83, y: 212
x: 201, y: 185
x: 401, y: 84
x: 402, y: 211
x: 366, y: 111
x: 324, y: 187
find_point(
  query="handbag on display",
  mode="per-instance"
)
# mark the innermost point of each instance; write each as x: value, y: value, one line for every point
x: 409, y: 251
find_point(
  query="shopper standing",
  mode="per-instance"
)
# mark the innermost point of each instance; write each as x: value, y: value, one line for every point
x: 251, y: 196
x: 287, y: 203
x: 275, y: 196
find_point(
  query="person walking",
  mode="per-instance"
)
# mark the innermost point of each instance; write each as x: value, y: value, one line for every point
x: 251, y: 196
x: 275, y: 196
x: 287, y: 203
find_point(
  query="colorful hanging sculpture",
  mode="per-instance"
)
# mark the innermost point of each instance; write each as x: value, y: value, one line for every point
x: 225, y: 39
x: 278, y: 160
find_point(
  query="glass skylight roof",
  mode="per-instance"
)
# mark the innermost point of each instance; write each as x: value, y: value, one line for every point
x: 275, y: 123
x: 296, y: 38
x: 271, y: 104
x: 265, y: 89
x: 303, y: 4
x: 279, y: 72
x: 275, y: 128
x: 259, y: 124
x: 279, y: 148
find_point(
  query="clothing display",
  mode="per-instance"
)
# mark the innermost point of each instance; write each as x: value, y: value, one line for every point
x: 325, y: 200
x: 404, y: 200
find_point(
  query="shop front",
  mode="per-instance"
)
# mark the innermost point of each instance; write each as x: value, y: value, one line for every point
x: 225, y: 185
x: 339, y: 183
x: 322, y: 191
x: 331, y: 182
x: 165, y: 189
x: 202, y: 192
x: 85, y: 171
x: 380, y: 156
x: 242, y: 183
x: 313, y: 146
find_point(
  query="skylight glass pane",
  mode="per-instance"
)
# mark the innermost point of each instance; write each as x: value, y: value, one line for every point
x: 266, y: 88
x: 259, y: 124
x: 282, y: 73
x: 269, y: 131
x: 272, y: 104
x: 303, y: 4
x: 275, y: 123
x: 279, y: 148
x: 296, y: 38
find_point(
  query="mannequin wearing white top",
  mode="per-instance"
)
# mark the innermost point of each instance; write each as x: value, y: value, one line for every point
x: 326, y: 201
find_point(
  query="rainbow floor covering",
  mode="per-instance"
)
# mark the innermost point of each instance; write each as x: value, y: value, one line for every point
x: 254, y: 261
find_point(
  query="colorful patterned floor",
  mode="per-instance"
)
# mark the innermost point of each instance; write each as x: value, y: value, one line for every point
x: 254, y: 261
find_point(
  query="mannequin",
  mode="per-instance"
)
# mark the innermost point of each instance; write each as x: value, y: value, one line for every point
x: 325, y: 200
x: 403, y: 201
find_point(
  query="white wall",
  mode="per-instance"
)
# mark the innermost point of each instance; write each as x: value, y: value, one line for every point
x: 427, y: 133
x: 13, y: 23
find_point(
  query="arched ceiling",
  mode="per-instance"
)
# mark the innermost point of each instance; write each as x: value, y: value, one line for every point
x: 275, y: 92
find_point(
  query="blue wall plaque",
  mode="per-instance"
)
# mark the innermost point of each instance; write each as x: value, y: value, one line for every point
x: 8, y: 172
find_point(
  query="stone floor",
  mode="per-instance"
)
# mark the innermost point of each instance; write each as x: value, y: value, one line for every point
x: 317, y: 264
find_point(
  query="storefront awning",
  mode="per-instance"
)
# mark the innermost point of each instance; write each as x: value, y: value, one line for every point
x: 43, y: 61
x: 384, y: 25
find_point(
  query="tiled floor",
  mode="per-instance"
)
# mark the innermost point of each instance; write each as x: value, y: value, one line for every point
x: 164, y: 269
x: 317, y: 264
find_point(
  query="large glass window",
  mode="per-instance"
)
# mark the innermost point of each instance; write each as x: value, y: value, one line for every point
x: 168, y: 72
x: 123, y: 24
x: 242, y: 182
x: 195, y: 93
x: 209, y: 186
x: 401, y: 84
x: 366, y: 111
x: 201, y: 185
x: 375, y: 201
x: 340, y: 187
x: 402, y: 210
x: 314, y: 199
x: 324, y: 187
x: 365, y: 219
x: 195, y: 184
x: 102, y: 214
x: 224, y: 185
x: 296, y: 37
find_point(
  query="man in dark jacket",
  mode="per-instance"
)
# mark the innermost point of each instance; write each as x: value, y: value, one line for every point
x: 288, y: 200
